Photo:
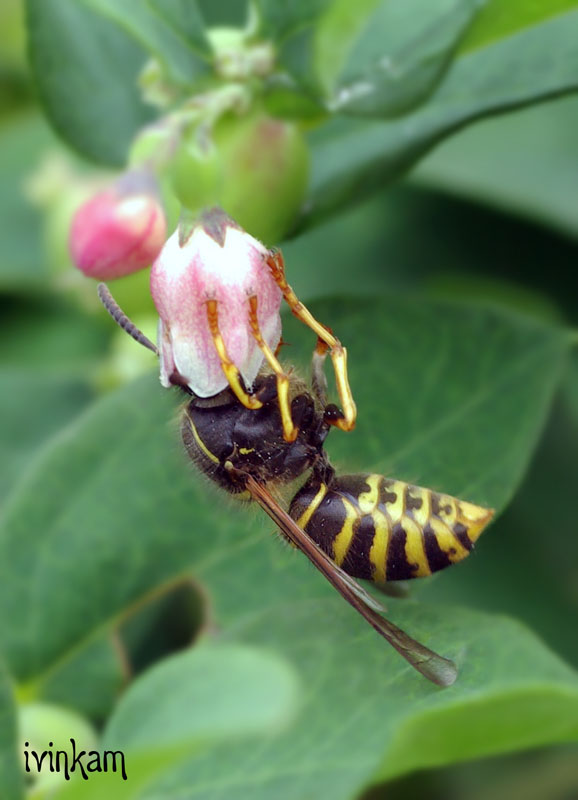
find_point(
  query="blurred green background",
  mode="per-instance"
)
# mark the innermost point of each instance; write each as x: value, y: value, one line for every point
x: 475, y: 254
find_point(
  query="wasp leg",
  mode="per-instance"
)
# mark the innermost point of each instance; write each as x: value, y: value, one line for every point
x: 231, y: 372
x: 338, y: 353
x: 289, y: 430
x: 331, y: 414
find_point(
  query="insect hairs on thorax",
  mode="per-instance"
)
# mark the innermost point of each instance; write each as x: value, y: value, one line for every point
x: 226, y: 440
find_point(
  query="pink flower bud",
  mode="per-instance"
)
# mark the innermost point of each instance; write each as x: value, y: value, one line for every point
x: 215, y: 260
x: 119, y: 230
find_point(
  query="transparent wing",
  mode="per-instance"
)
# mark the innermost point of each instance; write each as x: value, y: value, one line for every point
x: 437, y: 669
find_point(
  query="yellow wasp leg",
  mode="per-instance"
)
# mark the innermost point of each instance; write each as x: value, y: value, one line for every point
x: 289, y: 430
x: 231, y: 372
x: 337, y: 352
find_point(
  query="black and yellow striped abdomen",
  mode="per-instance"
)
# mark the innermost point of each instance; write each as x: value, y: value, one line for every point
x: 387, y: 530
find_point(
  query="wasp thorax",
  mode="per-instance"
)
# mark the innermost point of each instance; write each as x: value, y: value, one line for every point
x: 209, y: 278
x: 228, y: 441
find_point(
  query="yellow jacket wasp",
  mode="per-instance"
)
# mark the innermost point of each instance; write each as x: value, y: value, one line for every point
x: 349, y: 526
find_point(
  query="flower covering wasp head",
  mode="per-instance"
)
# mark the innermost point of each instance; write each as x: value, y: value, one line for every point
x: 218, y: 306
x: 218, y: 293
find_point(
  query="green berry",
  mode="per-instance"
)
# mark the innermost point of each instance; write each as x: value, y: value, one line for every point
x: 255, y: 167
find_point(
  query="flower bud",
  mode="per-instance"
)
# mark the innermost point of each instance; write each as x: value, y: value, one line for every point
x: 120, y: 229
x: 215, y: 259
x: 255, y: 166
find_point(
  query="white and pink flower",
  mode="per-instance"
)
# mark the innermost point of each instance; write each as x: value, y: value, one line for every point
x: 214, y: 259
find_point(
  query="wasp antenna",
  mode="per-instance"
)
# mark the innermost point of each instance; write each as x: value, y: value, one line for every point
x: 122, y: 320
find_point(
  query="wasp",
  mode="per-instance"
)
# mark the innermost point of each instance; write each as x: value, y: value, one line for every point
x: 349, y: 526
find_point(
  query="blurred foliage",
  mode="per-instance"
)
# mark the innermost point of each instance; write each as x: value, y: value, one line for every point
x: 10, y: 758
x: 130, y: 591
x: 524, y: 163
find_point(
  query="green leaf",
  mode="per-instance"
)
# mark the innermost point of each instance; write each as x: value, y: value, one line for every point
x: 81, y: 485
x: 278, y: 20
x: 226, y: 691
x: 524, y: 163
x: 175, y: 38
x: 293, y: 28
x: 390, y: 61
x: 51, y: 335
x: 571, y: 389
x: 225, y: 13
x: 47, y: 355
x: 89, y: 680
x: 86, y: 72
x: 353, y: 158
x: 230, y: 690
x: 501, y: 18
x: 373, y: 248
x: 186, y: 20
x: 452, y: 397
x: 30, y: 424
x: 22, y: 262
x: 427, y: 443
x: 357, y: 726
x: 10, y: 769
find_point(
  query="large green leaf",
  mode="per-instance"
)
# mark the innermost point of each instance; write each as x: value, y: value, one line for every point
x: 353, y: 158
x: 279, y: 20
x: 171, y: 32
x: 356, y: 725
x: 526, y: 163
x: 86, y: 69
x: 230, y: 689
x: 10, y: 774
x: 53, y: 335
x: 451, y: 397
x: 186, y: 20
x: 89, y: 680
x: 216, y: 692
x: 412, y: 427
x: 479, y: 386
x: 47, y: 356
x: 373, y: 248
x: 27, y: 423
x: 388, y: 58
x: 501, y: 18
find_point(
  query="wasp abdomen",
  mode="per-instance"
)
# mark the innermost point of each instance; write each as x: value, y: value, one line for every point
x: 387, y: 530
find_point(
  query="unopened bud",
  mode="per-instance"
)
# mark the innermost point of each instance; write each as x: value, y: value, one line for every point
x: 214, y: 260
x: 119, y: 230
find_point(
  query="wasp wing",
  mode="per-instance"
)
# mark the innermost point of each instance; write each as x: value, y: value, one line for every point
x: 437, y: 669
